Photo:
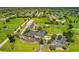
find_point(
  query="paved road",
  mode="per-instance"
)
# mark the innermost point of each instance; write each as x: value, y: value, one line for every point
x: 27, y: 25
x: 40, y: 48
x: 20, y: 27
x: 6, y: 40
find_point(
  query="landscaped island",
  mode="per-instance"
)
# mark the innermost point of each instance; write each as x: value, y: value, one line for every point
x: 39, y: 29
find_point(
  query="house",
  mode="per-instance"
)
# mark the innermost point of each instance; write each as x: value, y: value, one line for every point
x: 60, y: 42
x: 35, y: 33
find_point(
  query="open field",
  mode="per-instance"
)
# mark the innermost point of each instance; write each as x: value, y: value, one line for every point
x: 21, y: 46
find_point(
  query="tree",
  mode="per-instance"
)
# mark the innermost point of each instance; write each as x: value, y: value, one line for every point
x: 56, y: 23
x: 39, y: 28
x: 4, y: 22
x: 53, y: 37
x: 65, y: 16
x: 49, y: 41
x: 11, y: 38
x: 33, y: 15
x: 25, y: 20
x: 70, y: 26
x: 69, y: 35
x: 47, y: 22
x: 8, y: 20
x: 59, y: 37
x: 51, y: 48
x: 41, y: 41
x: 4, y: 26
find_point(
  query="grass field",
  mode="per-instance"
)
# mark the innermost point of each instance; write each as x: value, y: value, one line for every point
x: 21, y: 46
x: 52, y: 28
x: 11, y: 27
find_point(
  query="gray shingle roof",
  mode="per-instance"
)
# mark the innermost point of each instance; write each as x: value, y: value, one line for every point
x: 36, y: 33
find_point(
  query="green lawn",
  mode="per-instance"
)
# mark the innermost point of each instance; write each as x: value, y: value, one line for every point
x: 20, y: 46
x: 40, y: 21
x: 52, y: 27
x: 11, y: 27
x: 74, y: 47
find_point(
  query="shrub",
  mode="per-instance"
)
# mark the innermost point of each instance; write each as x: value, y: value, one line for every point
x: 51, y: 48
x: 41, y: 41
x: 4, y: 26
x: 69, y: 35
x: 70, y: 26
x: 53, y: 37
x: 8, y: 20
